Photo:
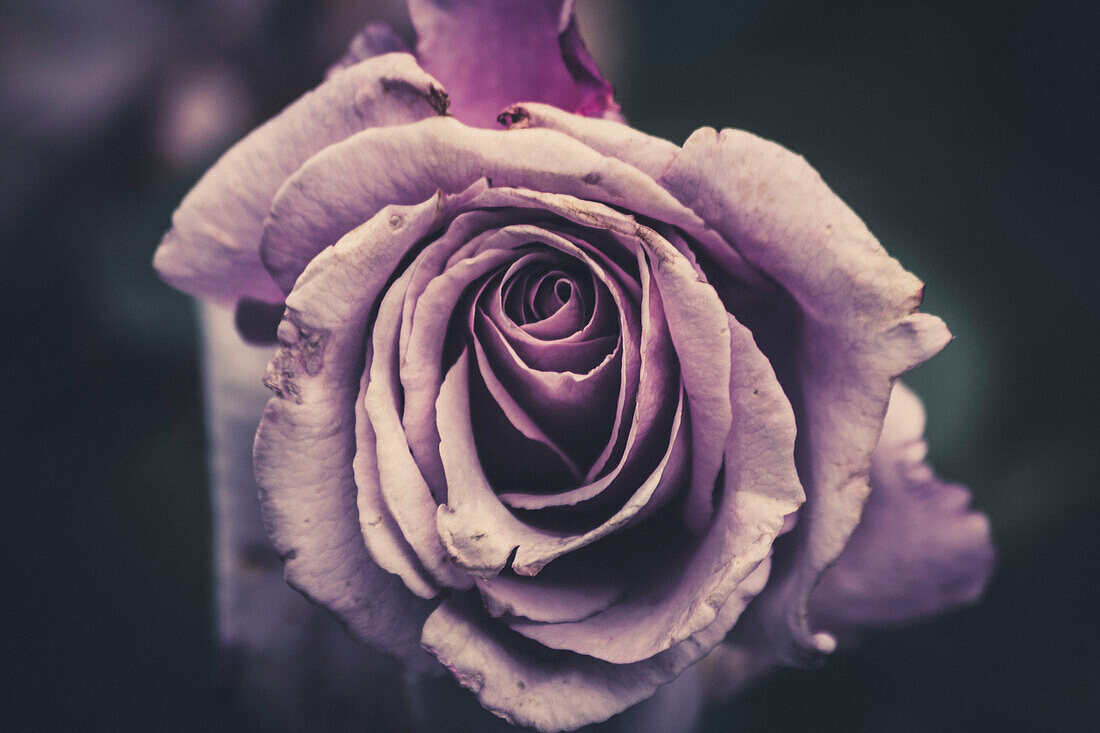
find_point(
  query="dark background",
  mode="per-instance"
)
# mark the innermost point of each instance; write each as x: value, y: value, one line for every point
x: 960, y: 131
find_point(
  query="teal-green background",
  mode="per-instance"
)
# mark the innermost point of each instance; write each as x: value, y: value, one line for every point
x: 960, y: 131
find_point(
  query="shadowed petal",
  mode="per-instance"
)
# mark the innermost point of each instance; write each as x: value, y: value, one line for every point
x: 919, y: 549
x: 527, y: 684
x: 860, y: 331
x: 481, y: 534
x: 761, y: 489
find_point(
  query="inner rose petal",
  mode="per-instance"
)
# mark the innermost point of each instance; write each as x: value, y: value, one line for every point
x: 540, y: 345
x: 648, y: 419
x: 432, y: 317
x: 480, y: 533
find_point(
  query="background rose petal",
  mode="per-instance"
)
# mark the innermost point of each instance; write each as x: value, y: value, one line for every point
x: 491, y: 53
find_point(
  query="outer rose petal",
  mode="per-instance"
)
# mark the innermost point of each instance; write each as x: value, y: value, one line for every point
x: 331, y: 193
x: 860, y: 330
x: 649, y: 154
x: 527, y: 684
x: 212, y: 249
x: 919, y: 549
x: 306, y: 441
x: 493, y: 53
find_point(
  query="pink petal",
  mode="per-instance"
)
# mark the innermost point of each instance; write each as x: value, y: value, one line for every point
x: 492, y: 53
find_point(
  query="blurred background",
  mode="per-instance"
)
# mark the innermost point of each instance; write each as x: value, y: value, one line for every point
x: 959, y: 131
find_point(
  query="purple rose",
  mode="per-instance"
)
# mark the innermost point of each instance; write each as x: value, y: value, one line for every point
x: 564, y: 408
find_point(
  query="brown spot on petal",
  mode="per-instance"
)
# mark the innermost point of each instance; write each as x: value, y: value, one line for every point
x: 514, y: 117
x: 301, y: 349
x: 439, y: 100
x: 436, y: 98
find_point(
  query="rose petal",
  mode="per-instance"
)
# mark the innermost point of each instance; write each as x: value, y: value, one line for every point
x: 529, y: 685
x: 761, y: 489
x: 316, y: 376
x: 572, y: 592
x: 428, y: 311
x: 431, y: 297
x: 491, y: 53
x: 918, y: 550
x: 517, y: 416
x: 480, y: 533
x: 861, y: 330
x: 650, y: 376
x: 649, y: 154
x: 404, y: 488
x: 305, y: 443
x: 697, y: 324
x: 387, y: 546
x: 212, y: 250
x: 330, y: 194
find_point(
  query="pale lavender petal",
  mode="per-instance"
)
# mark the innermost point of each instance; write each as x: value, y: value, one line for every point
x: 540, y: 387
x: 317, y: 371
x: 559, y: 400
x: 330, y: 195
x: 860, y: 330
x: 649, y: 154
x: 428, y: 317
x: 699, y: 327
x: 306, y: 441
x: 381, y: 533
x: 656, y: 370
x: 919, y: 548
x: 454, y: 244
x: 652, y: 155
x: 697, y: 324
x: 761, y: 489
x: 404, y: 489
x: 492, y: 53
x: 585, y: 348
x: 649, y: 379
x: 517, y: 416
x: 212, y: 249
x: 559, y: 396
x: 577, y: 592
x: 431, y: 298
x: 551, y: 690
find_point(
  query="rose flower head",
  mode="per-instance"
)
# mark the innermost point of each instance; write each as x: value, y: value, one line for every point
x: 560, y: 407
